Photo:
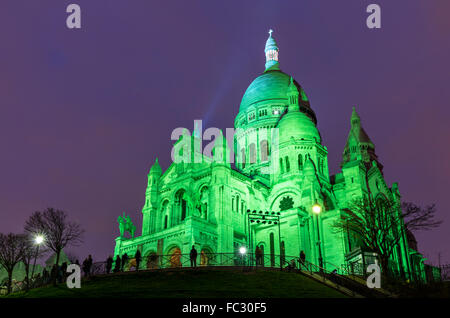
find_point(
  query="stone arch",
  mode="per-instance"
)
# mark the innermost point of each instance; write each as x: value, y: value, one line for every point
x: 277, y: 196
x: 287, y: 164
x: 264, y: 149
x: 180, y: 205
x: 207, y: 256
x: 164, y: 214
x: 204, y: 201
x: 173, y: 256
x: 252, y: 153
x: 151, y: 259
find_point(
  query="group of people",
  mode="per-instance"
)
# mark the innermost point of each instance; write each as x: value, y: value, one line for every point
x: 121, y: 263
x: 291, y: 265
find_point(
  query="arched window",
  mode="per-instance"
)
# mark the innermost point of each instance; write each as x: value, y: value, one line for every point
x: 300, y: 162
x: 264, y: 150
x: 252, y: 153
x: 164, y: 215
x: 181, y: 205
x: 183, y: 209
x: 243, y: 157
x: 321, y: 165
x: 288, y: 167
x: 281, y: 165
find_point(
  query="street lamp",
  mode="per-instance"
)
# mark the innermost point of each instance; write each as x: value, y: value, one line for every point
x: 316, y: 208
x: 38, y: 240
x: 243, y: 250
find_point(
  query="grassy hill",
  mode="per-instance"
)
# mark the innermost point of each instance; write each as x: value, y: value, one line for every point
x: 200, y: 283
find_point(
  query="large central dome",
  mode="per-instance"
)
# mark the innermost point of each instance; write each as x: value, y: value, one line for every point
x: 270, y: 88
x: 271, y: 85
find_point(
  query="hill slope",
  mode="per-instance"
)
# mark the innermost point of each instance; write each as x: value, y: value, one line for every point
x: 202, y: 283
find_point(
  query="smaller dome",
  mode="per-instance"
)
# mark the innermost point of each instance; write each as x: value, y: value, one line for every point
x: 295, y: 124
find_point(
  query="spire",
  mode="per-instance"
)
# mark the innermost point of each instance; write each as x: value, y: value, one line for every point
x: 359, y: 146
x: 271, y: 51
x: 355, y: 119
x: 156, y: 168
x: 292, y: 94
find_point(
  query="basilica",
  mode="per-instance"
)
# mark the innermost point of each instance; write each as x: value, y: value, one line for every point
x: 214, y: 205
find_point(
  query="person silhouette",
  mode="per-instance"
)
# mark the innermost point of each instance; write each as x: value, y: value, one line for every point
x: 302, y: 259
x: 193, y: 256
x: 124, y: 261
x: 109, y: 262
x: 138, y: 258
x: 117, y: 265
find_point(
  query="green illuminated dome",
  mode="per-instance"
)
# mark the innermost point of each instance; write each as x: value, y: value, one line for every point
x: 298, y: 126
x: 272, y: 85
x: 295, y: 124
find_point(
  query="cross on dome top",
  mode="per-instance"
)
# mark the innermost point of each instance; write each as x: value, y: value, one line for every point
x: 271, y: 51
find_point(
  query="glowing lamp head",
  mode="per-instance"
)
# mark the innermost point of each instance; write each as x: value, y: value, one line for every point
x: 39, y: 239
x: 316, y: 208
x: 242, y: 250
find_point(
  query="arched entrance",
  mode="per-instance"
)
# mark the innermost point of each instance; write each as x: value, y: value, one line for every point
x: 174, y: 257
x: 206, y: 257
x: 152, y: 260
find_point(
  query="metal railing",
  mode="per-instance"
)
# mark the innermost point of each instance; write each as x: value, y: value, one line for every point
x: 337, y: 278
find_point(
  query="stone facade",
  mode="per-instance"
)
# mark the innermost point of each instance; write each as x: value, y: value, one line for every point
x: 205, y: 204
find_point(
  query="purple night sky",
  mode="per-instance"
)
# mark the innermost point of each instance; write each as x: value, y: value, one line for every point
x: 84, y: 113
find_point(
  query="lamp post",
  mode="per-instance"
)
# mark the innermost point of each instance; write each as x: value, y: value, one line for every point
x: 265, y: 218
x: 242, y: 251
x: 38, y: 240
x: 316, y: 210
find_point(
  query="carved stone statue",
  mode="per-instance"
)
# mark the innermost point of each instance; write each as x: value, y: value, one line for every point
x: 130, y: 227
x: 125, y: 225
x: 194, y: 203
x: 121, y: 221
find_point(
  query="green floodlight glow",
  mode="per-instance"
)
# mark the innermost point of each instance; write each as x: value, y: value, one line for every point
x: 242, y: 250
x: 268, y: 168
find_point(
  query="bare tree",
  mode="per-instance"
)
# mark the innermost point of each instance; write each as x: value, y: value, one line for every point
x: 11, y: 251
x: 29, y: 255
x: 380, y: 225
x: 72, y: 257
x: 58, y: 231
x: 417, y: 218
